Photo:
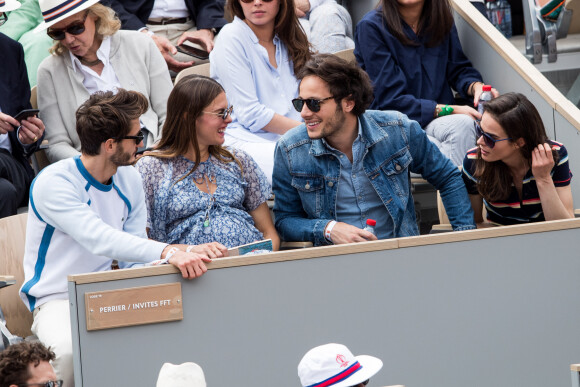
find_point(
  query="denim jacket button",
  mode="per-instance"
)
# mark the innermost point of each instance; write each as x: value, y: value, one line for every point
x: 330, y: 184
x: 307, y: 186
x: 397, y: 167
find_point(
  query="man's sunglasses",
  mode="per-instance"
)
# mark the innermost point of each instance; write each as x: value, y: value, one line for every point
x: 489, y: 141
x: 138, y: 138
x: 75, y: 28
x: 251, y: 1
x: 313, y: 104
x: 223, y: 115
x: 52, y: 383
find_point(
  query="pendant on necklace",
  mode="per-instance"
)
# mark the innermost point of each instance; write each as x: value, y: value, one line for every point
x: 206, y: 223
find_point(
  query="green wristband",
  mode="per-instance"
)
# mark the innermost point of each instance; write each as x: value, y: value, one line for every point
x: 445, y: 111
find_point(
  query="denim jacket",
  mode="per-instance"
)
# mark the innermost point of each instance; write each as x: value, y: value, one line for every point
x: 306, y: 175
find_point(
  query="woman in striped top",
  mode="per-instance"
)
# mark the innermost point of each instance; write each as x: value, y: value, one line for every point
x: 516, y: 171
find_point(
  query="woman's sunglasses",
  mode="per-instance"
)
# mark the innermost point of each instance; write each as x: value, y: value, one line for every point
x: 75, y: 28
x: 313, y: 104
x: 489, y: 141
x: 223, y: 115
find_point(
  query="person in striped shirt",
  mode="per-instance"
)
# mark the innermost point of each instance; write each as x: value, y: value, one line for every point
x: 516, y: 171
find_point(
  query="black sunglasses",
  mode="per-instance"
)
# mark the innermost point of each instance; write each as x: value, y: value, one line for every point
x: 223, y: 115
x: 3, y: 18
x: 138, y: 138
x: 489, y: 141
x: 251, y: 1
x: 313, y: 104
x: 52, y: 383
x: 75, y: 28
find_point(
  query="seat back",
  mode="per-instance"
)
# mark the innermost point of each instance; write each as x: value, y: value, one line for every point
x: 347, y: 55
x: 202, y: 69
x: 575, y: 371
x: 12, y: 238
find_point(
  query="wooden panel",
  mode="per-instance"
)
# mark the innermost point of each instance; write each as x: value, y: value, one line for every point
x: 133, y: 306
x: 12, y: 237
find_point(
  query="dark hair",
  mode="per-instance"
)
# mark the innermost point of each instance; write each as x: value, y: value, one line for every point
x: 187, y: 101
x: 435, y: 22
x: 107, y: 115
x: 14, y: 361
x: 519, y: 118
x: 344, y: 80
x: 288, y: 29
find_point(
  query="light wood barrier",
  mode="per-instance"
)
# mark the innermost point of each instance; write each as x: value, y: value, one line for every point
x: 472, y: 308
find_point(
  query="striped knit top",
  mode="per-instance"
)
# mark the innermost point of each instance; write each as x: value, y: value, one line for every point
x: 512, y: 210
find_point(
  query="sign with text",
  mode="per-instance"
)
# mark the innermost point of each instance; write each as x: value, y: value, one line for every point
x: 133, y: 306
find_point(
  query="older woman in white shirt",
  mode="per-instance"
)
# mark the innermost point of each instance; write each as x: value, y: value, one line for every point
x: 254, y: 59
x: 91, y: 54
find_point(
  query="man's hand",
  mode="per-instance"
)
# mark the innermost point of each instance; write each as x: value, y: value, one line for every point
x: 212, y: 249
x: 191, y: 265
x: 204, y: 37
x: 7, y: 123
x: 31, y: 130
x: 168, y: 50
x: 542, y: 162
x: 345, y: 233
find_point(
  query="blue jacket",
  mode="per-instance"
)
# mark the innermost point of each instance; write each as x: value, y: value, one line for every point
x: 306, y: 175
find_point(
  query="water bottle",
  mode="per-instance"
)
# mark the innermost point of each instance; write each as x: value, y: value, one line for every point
x: 491, y: 8
x: 370, y: 227
x: 506, y: 21
x: 500, y: 15
x: 484, y: 97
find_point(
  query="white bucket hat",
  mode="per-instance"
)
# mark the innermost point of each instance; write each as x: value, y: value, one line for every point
x: 54, y: 11
x: 334, y: 365
x: 9, y: 5
x: 182, y: 375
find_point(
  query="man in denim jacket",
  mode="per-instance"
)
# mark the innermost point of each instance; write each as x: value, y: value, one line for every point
x: 345, y: 165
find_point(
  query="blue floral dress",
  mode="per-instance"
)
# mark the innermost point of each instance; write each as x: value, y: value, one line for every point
x: 179, y: 212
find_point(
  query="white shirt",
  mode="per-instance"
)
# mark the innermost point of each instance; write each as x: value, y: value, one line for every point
x: 94, y: 82
x: 257, y: 89
x: 168, y: 9
x: 5, y: 141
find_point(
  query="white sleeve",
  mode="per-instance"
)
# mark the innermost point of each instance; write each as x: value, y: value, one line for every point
x: 67, y: 212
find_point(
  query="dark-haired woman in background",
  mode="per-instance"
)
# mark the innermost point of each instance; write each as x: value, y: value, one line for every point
x: 520, y: 175
x: 197, y: 191
x: 255, y: 58
x: 412, y: 53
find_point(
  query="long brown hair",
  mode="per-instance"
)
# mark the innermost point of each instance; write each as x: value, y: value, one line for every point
x: 519, y: 118
x: 187, y: 101
x: 435, y: 22
x: 288, y: 29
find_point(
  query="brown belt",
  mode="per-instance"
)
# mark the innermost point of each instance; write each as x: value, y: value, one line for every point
x: 163, y: 22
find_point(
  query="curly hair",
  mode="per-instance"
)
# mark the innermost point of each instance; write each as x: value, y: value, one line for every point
x: 344, y: 80
x: 14, y: 362
x: 106, y: 24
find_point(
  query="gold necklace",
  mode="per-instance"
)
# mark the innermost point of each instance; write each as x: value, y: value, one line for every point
x: 89, y: 63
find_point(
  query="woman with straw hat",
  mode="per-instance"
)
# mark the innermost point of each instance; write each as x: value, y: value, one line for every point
x: 91, y: 54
